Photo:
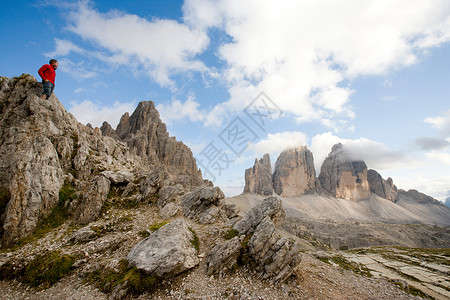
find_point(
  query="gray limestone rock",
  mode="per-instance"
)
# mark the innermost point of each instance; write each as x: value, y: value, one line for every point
x: 276, y: 255
x: 294, y: 173
x: 155, y: 180
x: 258, y: 180
x: 166, y: 252
x: 270, y: 207
x: 383, y: 188
x: 343, y: 178
x: 93, y: 199
x: 83, y: 235
x: 118, y: 177
x: 222, y: 257
x: 416, y: 196
x: 203, y: 204
x: 147, y: 135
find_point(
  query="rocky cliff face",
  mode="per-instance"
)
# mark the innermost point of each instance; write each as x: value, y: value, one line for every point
x: 383, y: 188
x: 294, y: 173
x: 343, y: 178
x: 42, y: 146
x: 258, y: 180
x: 147, y: 137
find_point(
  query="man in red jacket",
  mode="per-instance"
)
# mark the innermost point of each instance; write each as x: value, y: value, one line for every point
x: 48, y: 74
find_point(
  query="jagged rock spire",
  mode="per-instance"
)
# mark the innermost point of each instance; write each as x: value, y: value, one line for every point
x: 294, y: 173
x: 342, y: 177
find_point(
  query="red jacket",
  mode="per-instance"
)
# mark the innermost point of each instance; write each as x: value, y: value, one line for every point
x: 47, y: 72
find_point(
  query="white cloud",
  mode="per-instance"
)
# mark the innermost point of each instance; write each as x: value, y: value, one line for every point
x: 302, y: 53
x: 90, y: 112
x: 63, y: 48
x: 435, y: 186
x: 441, y: 123
x: 160, y: 47
x: 441, y: 157
x: 278, y: 142
x: 376, y: 155
x: 77, y: 70
x: 178, y: 110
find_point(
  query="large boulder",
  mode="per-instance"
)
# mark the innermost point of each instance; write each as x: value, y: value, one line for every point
x: 273, y: 254
x: 342, y: 177
x: 167, y: 251
x: 258, y: 180
x: 294, y: 173
x: 270, y: 207
x: 93, y: 200
x: 204, y: 205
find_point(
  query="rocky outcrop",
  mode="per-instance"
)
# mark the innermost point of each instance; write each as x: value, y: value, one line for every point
x: 205, y: 205
x: 272, y: 253
x: 222, y: 257
x: 276, y: 255
x: 147, y: 136
x: 343, y: 178
x: 258, y: 180
x: 42, y: 146
x: 383, y: 188
x: 271, y: 207
x: 416, y: 196
x: 96, y: 194
x: 166, y: 252
x: 294, y: 173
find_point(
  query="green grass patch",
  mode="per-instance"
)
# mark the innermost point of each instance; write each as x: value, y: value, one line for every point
x: 156, y: 226
x: 350, y: 265
x: 56, y: 218
x: 137, y: 281
x: 195, y: 242
x: 244, y: 258
x: 231, y: 233
x: 43, y: 271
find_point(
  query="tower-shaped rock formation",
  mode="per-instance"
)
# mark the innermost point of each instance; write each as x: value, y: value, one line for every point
x: 343, y: 178
x: 147, y: 136
x: 294, y: 173
x: 258, y: 180
x: 383, y: 188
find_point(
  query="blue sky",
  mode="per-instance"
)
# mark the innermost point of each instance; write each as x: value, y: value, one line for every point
x: 373, y: 75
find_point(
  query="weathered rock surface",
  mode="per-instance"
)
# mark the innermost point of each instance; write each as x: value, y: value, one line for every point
x: 342, y: 177
x: 205, y: 206
x: 414, y: 195
x: 118, y: 177
x: 258, y: 180
x: 222, y: 257
x: 294, y: 173
x: 83, y: 235
x: 93, y: 199
x: 166, y: 252
x: 383, y: 188
x: 147, y: 135
x: 270, y: 207
x: 42, y: 145
x: 274, y: 255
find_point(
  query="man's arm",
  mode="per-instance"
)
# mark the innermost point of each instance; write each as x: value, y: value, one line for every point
x: 41, y: 72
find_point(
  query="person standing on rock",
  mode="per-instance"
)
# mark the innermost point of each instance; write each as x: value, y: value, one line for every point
x: 48, y: 74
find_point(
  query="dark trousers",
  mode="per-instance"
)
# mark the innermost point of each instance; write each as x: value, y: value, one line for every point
x: 48, y: 88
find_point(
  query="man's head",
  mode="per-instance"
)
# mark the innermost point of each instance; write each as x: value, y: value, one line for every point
x: 54, y: 63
